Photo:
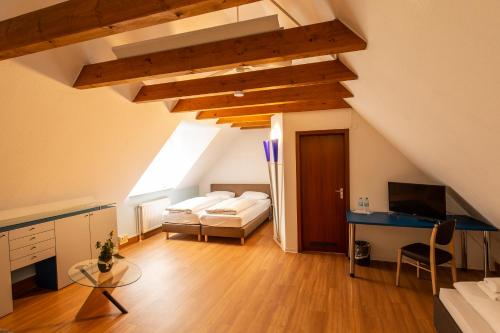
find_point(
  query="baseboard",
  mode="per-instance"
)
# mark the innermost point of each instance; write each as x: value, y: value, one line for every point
x: 151, y: 233
x: 131, y: 240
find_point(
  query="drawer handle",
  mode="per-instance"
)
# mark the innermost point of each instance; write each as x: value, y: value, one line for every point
x: 34, y: 257
x: 32, y: 228
x: 2, y: 236
x: 32, y: 238
x: 34, y: 247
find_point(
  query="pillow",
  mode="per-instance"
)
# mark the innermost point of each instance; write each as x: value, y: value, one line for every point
x: 221, y: 194
x: 254, y: 195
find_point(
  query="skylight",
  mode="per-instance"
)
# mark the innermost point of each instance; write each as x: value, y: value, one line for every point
x: 179, y: 154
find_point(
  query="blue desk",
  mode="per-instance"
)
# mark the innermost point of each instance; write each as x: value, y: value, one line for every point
x: 383, y: 219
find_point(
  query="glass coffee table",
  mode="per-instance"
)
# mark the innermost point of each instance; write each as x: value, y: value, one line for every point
x: 121, y: 274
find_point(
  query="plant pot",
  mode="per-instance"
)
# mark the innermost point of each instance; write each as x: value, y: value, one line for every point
x: 105, y: 266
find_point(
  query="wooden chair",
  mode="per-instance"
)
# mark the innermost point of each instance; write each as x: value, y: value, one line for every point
x: 428, y: 257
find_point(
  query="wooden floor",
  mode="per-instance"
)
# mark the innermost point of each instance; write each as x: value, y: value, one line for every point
x: 221, y: 286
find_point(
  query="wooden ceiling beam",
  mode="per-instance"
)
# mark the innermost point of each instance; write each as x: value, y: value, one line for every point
x: 276, y: 78
x: 266, y: 97
x: 253, y: 128
x: 306, y: 41
x: 281, y: 108
x: 252, y: 124
x: 244, y: 119
x: 76, y: 21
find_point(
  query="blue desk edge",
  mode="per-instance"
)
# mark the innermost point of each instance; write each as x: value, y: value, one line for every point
x: 464, y: 222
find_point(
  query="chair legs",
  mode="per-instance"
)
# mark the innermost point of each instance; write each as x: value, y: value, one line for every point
x: 433, y: 277
x: 400, y: 257
x: 453, y: 266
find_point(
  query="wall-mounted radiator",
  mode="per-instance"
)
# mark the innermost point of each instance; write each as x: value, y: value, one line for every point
x: 149, y: 214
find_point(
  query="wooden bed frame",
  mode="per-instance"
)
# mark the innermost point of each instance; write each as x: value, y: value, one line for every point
x: 233, y: 232
x: 247, y: 229
x: 443, y: 321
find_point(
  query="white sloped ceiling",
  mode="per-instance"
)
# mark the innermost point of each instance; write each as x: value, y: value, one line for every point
x: 429, y: 81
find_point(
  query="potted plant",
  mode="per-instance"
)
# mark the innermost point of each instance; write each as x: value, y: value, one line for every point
x: 105, y: 261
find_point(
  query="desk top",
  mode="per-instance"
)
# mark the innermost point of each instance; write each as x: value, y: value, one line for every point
x: 408, y: 221
x: 24, y: 222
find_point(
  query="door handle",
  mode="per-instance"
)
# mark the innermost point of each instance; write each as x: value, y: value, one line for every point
x: 341, y: 193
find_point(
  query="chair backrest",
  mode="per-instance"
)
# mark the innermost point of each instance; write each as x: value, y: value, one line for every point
x: 444, y: 233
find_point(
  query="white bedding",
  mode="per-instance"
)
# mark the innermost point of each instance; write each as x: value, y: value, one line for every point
x: 181, y: 218
x: 232, y: 206
x: 487, y: 308
x: 194, y: 205
x: 239, y: 220
x: 467, y: 319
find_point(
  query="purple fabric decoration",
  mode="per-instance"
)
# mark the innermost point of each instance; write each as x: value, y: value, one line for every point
x: 267, y: 150
x: 275, y: 149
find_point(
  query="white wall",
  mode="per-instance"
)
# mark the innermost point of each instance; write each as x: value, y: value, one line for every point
x: 210, y: 156
x: 242, y: 161
x: 429, y: 82
x: 127, y: 221
x: 373, y: 162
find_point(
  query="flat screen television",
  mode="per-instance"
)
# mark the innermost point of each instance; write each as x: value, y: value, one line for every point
x: 428, y: 201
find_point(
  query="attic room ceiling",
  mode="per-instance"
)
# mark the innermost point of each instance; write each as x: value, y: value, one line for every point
x: 428, y: 82
x: 220, y: 51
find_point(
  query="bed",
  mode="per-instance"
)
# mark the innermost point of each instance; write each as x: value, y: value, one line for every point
x: 466, y: 309
x: 184, y: 217
x: 241, y: 225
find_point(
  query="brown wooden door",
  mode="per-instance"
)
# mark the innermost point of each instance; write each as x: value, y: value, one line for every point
x: 322, y: 176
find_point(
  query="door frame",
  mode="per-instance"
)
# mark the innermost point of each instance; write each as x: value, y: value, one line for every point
x: 347, y: 201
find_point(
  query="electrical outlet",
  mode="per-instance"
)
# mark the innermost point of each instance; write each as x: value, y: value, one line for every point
x: 123, y: 239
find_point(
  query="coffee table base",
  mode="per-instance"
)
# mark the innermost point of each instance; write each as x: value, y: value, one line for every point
x: 114, y: 301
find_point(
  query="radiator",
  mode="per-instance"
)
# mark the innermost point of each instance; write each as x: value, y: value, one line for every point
x: 149, y: 214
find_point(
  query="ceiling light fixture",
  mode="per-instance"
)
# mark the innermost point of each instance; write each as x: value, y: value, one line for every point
x: 239, y: 93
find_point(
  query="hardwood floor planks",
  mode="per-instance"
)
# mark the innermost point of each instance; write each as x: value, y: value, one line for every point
x: 221, y: 286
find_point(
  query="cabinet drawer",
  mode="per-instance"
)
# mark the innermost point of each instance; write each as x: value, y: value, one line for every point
x: 31, y: 259
x: 32, y: 249
x: 30, y: 240
x: 30, y: 230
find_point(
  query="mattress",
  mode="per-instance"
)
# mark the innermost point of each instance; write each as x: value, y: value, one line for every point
x: 181, y: 218
x: 187, y: 217
x: 487, y: 308
x: 467, y: 319
x: 236, y: 221
x: 194, y: 205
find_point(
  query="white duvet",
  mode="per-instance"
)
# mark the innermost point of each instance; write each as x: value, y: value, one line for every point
x: 463, y: 313
x: 231, y: 206
x: 194, y: 205
x: 486, y: 307
x: 236, y: 221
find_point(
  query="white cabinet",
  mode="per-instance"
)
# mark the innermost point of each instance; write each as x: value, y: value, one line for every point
x: 72, y: 245
x: 101, y: 223
x: 5, y: 284
x: 70, y: 240
x: 76, y: 237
